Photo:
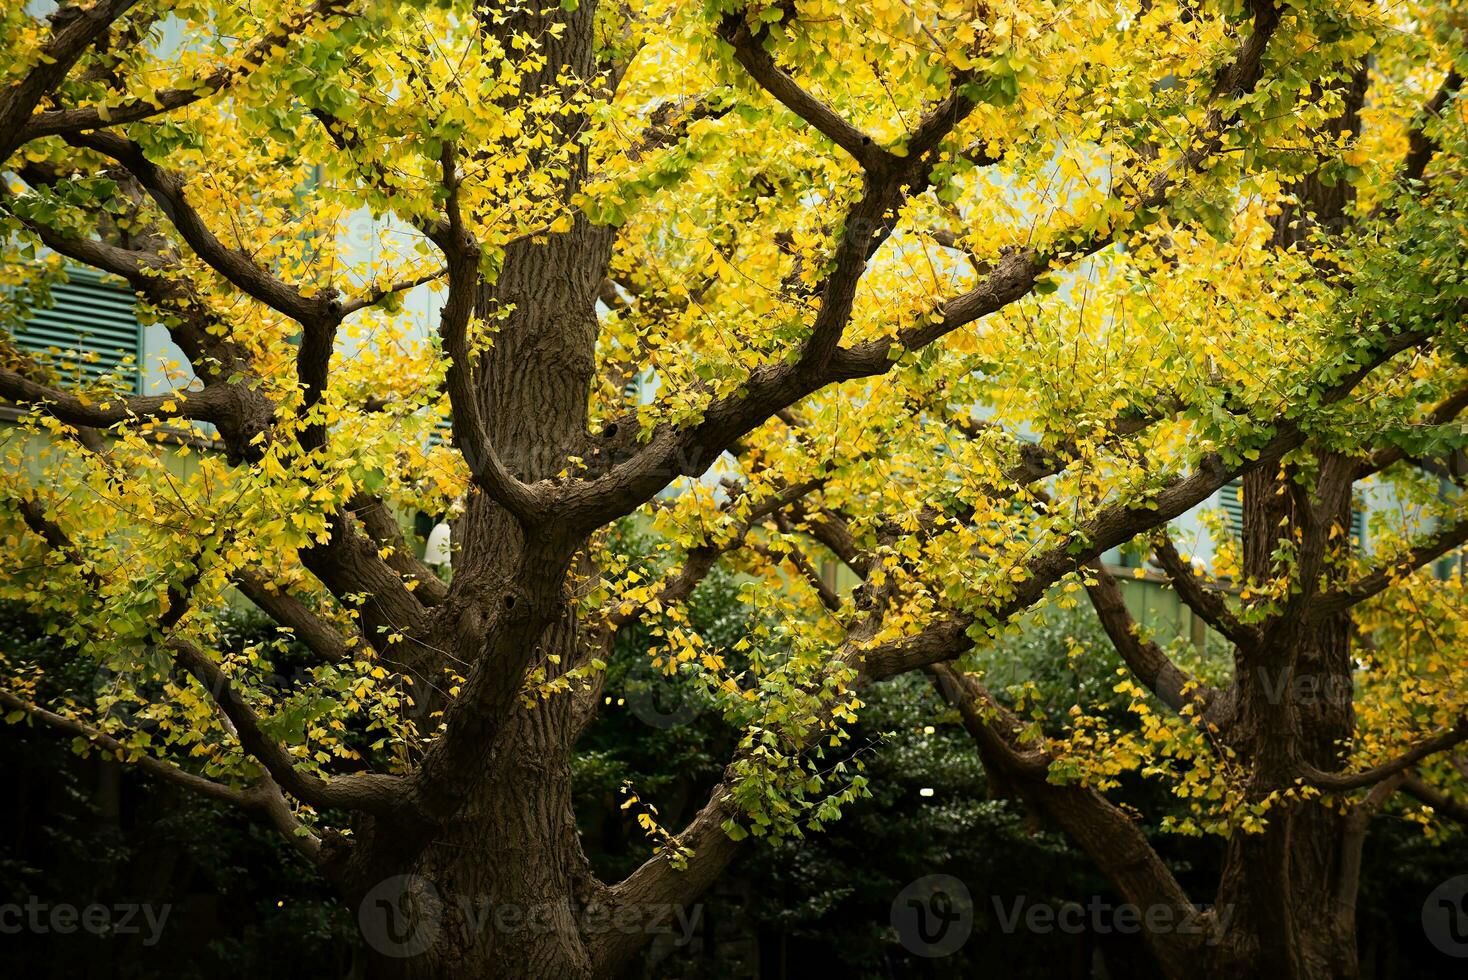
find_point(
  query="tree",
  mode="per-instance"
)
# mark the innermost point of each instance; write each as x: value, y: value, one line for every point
x: 958, y: 295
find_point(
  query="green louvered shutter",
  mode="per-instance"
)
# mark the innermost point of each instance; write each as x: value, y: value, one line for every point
x: 1231, y: 502
x: 88, y: 332
x: 441, y: 434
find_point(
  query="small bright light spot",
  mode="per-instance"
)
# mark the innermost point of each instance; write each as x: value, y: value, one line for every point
x: 280, y: 904
x: 621, y: 701
x: 926, y: 791
x: 928, y: 729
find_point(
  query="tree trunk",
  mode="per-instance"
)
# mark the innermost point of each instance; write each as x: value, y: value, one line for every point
x: 502, y: 890
x: 505, y: 882
x: 1278, y: 898
x: 1285, y: 902
x: 1286, y: 899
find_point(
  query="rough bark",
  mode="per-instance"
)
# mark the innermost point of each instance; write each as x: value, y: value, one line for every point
x: 1291, y: 888
x: 506, y: 882
x: 1282, y: 885
x: 511, y: 883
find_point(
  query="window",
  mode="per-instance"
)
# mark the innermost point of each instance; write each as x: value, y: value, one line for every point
x: 1231, y: 502
x: 1358, y: 529
x: 89, y: 332
x: 442, y: 433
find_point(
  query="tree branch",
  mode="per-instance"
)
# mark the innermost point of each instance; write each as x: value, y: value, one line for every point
x: 103, y: 409
x: 788, y: 552
x: 53, y: 122
x: 1207, y: 602
x: 656, y: 886
x: 1440, y: 803
x: 1388, y: 574
x: 1106, y: 833
x: 1445, y: 411
x: 370, y: 792
x: 204, y: 337
x: 262, y: 800
x: 74, y: 30
x: 470, y: 436
x: 701, y: 559
x: 1173, y: 686
x: 375, y: 517
x: 280, y: 606
x: 374, y: 296
x: 34, y: 516
x: 1114, y: 525
x: 750, y: 52
x: 673, y: 450
x: 348, y: 565
x: 1421, y: 146
x: 1336, y: 782
x: 831, y: 530
x: 169, y: 191
x: 992, y: 726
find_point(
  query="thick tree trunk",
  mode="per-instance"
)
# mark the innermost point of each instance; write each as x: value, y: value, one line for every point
x: 507, y: 873
x: 502, y: 890
x: 1286, y: 897
x: 1286, y: 900
x: 1279, y: 898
